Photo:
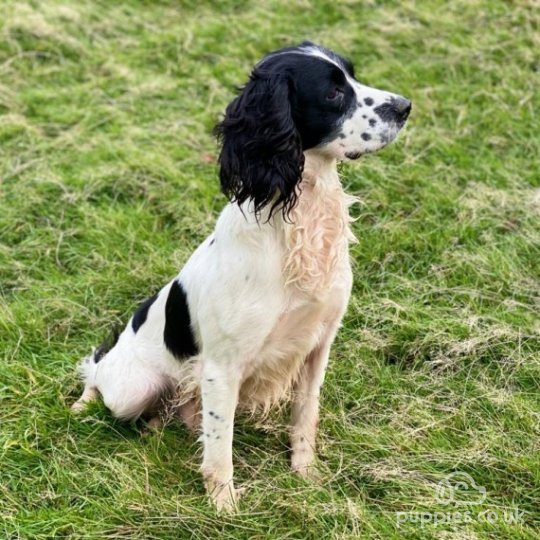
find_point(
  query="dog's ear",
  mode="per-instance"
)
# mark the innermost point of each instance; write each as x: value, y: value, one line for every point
x: 261, y: 159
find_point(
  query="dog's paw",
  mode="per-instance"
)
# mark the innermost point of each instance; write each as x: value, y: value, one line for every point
x: 303, y: 464
x: 79, y: 406
x: 309, y: 473
x: 90, y: 394
x: 153, y: 425
x: 223, y: 496
x: 190, y: 414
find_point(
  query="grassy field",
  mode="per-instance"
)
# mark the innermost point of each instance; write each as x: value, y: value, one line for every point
x: 108, y: 182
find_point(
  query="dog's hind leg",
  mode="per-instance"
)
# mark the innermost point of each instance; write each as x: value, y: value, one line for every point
x: 131, y: 386
x: 134, y: 393
x: 190, y: 414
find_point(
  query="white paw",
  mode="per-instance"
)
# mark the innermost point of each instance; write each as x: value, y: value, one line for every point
x: 79, y: 406
x: 223, y: 496
x: 302, y: 463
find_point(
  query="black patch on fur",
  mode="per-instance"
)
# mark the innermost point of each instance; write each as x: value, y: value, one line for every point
x: 372, y: 122
x: 369, y: 101
x: 386, y: 112
x: 106, y: 346
x: 366, y: 136
x: 212, y: 241
x: 177, y: 334
x: 139, y: 317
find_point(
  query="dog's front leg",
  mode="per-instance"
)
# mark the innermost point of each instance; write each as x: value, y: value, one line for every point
x: 305, y: 407
x: 219, y: 387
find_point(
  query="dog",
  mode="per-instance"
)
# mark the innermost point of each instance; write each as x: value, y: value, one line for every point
x: 250, y: 319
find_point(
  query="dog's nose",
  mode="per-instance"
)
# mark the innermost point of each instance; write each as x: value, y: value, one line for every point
x: 402, y: 107
x: 396, y: 109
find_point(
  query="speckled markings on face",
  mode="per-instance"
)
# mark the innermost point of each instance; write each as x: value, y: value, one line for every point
x: 358, y: 132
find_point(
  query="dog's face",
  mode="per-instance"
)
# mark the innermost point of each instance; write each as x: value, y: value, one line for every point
x: 331, y: 109
x: 300, y: 98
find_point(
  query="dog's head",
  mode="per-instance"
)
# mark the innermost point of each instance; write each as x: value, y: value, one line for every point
x: 300, y: 98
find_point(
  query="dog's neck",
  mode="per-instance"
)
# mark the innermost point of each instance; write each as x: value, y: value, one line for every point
x: 317, y: 235
x: 320, y: 170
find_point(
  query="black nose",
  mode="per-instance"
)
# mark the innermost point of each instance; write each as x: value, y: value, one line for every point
x: 402, y: 108
x: 396, y: 110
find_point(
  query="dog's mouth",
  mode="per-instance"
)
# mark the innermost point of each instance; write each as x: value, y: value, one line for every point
x: 357, y: 154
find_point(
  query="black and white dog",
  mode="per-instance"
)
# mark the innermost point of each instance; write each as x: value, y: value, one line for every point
x: 251, y: 317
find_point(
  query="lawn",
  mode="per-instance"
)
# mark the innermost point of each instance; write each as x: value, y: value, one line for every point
x: 108, y: 181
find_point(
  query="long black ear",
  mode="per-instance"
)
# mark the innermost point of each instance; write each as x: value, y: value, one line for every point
x: 261, y: 159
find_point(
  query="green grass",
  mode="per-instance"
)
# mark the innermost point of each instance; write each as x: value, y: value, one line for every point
x: 108, y: 182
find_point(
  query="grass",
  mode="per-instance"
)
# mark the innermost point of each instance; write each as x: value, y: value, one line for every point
x: 108, y: 182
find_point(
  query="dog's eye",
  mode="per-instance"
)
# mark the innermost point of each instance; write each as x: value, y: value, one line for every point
x: 334, y: 94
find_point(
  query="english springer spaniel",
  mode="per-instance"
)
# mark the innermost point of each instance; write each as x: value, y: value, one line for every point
x: 250, y: 319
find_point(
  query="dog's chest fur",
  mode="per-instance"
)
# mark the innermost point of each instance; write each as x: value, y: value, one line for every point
x: 317, y: 278
x: 317, y: 238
